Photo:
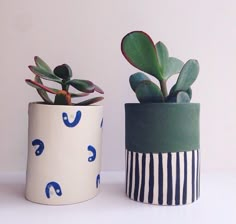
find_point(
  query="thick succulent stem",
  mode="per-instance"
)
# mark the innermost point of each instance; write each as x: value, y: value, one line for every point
x: 64, y: 85
x: 62, y: 98
x: 164, y: 88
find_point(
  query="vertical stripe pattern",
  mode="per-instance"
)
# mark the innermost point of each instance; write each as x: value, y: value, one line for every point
x: 151, y: 179
x: 185, y: 179
x: 136, y: 185
x: 177, y: 183
x: 163, y: 178
x: 130, y: 173
x: 169, y: 180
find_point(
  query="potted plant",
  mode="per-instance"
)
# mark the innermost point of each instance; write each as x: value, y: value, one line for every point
x: 162, y: 131
x: 64, y: 139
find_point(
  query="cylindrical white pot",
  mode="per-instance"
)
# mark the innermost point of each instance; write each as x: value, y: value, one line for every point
x: 64, y: 153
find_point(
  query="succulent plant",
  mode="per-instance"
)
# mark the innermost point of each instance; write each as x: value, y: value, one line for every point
x: 62, y: 75
x: 141, y: 52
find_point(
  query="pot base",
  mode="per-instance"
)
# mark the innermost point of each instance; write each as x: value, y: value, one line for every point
x: 49, y: 203
x: 163, y: 178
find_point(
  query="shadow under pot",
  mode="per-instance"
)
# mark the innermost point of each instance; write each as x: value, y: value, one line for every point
x: 162, y: 153
x: 64, y: 153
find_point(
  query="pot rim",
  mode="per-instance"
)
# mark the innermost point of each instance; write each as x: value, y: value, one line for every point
x: 146, y: 104
x: 53, y: 105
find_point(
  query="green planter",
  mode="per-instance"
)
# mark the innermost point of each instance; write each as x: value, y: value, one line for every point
x: 162, y: 153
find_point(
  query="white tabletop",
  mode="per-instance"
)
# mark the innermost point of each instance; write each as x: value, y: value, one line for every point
x: 216, y: 205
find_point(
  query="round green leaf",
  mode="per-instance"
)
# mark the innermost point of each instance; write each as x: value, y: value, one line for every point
x: 63, y: 71
x: 136, y: 78
x: 139, y: 49
x: 182, y: 97
x: 149, y: 92
x: 172, y: 97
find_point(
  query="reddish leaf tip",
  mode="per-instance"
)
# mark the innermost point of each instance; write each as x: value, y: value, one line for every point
x: 35, y: 59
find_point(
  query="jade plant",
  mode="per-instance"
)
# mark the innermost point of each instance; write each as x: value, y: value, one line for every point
x: 62, y: 75
x: 141, y: 52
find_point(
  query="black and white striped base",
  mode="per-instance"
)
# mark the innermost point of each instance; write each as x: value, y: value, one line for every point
x: 163, y: 178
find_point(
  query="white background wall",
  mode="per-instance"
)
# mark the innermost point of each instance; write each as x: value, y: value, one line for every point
x: 87, y: 35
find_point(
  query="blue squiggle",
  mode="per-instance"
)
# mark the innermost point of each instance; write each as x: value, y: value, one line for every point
x: 73, y: 123
x: 101, y: 123
x: 98, y: 180
x: 56, y: 188
x: 93, y: 150
x: 40, y: 148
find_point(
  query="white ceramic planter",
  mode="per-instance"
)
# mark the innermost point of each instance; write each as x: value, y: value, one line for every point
x: 64, y: 153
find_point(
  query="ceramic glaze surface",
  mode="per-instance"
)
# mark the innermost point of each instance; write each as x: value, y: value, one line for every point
x: 64, y: 153
x: 162, y: 127
x: 163, y: 178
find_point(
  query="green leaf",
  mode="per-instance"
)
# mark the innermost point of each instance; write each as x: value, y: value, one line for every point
x: 187, y: 75
x: 136, y: 78
x: 149, y: 92
x: 189, y: 92
x: 41, y: 64
x: 44, y: 74
x: 74, y: 95
x: 162, y: 56
x: 182, y: 97
x: 63, y: 71
x: 139, y: 50
x: 42, y: 92
x: 174, y: 92
x: 168, y: 65
x: 173, y: 67
x: 39, y: 86
x: 82, y: 85
x: 90, y: 101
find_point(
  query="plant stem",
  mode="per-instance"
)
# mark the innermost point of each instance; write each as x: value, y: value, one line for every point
x: 164, y: 88
x: 64, y: 86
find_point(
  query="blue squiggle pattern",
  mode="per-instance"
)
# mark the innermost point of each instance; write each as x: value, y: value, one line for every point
x: 73, y: 123
x: 56, y: 188
x: 98, y: 180
x: 40, y: 144
x: 101, y: 123
x: 93, y: 150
